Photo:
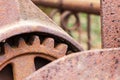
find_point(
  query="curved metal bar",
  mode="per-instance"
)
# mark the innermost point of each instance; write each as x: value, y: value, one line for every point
x: 64, y: 19
x: 88, y: 6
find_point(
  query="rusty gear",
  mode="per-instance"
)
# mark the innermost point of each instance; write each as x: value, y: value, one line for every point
x: 24, y: 55
x: 20, y: 17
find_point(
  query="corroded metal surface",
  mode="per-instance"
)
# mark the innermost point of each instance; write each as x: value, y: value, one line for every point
x: 88, y: 6
x: 22, y: 16
x: 110, y: 23
x: 24, y: 55
x: 90, y: 65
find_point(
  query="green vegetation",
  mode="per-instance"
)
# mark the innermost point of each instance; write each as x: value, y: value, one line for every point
x: 95, y: 28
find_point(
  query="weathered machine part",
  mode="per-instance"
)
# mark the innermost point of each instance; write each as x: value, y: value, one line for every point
x: 88, y: 65
x: 88, y: 6
x: 20, y: 17
x: 110, y: 23
x: 24, y: 54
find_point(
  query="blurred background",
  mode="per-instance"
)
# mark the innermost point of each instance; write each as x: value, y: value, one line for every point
x: 83, y: 25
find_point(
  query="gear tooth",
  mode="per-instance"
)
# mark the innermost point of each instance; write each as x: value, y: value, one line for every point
x: 7, y: 48
x: 21, y: 42
x: 62, y: 48
x: 36, y: 40
x: 49, y: 42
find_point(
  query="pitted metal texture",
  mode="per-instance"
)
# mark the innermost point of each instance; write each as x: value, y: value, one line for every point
x: 110, y: 23
x: 88, y: 65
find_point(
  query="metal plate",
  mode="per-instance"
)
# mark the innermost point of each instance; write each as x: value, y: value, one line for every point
x: 89, y: 65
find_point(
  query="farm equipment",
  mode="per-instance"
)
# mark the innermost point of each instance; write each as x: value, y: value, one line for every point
x: 30, y: 43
